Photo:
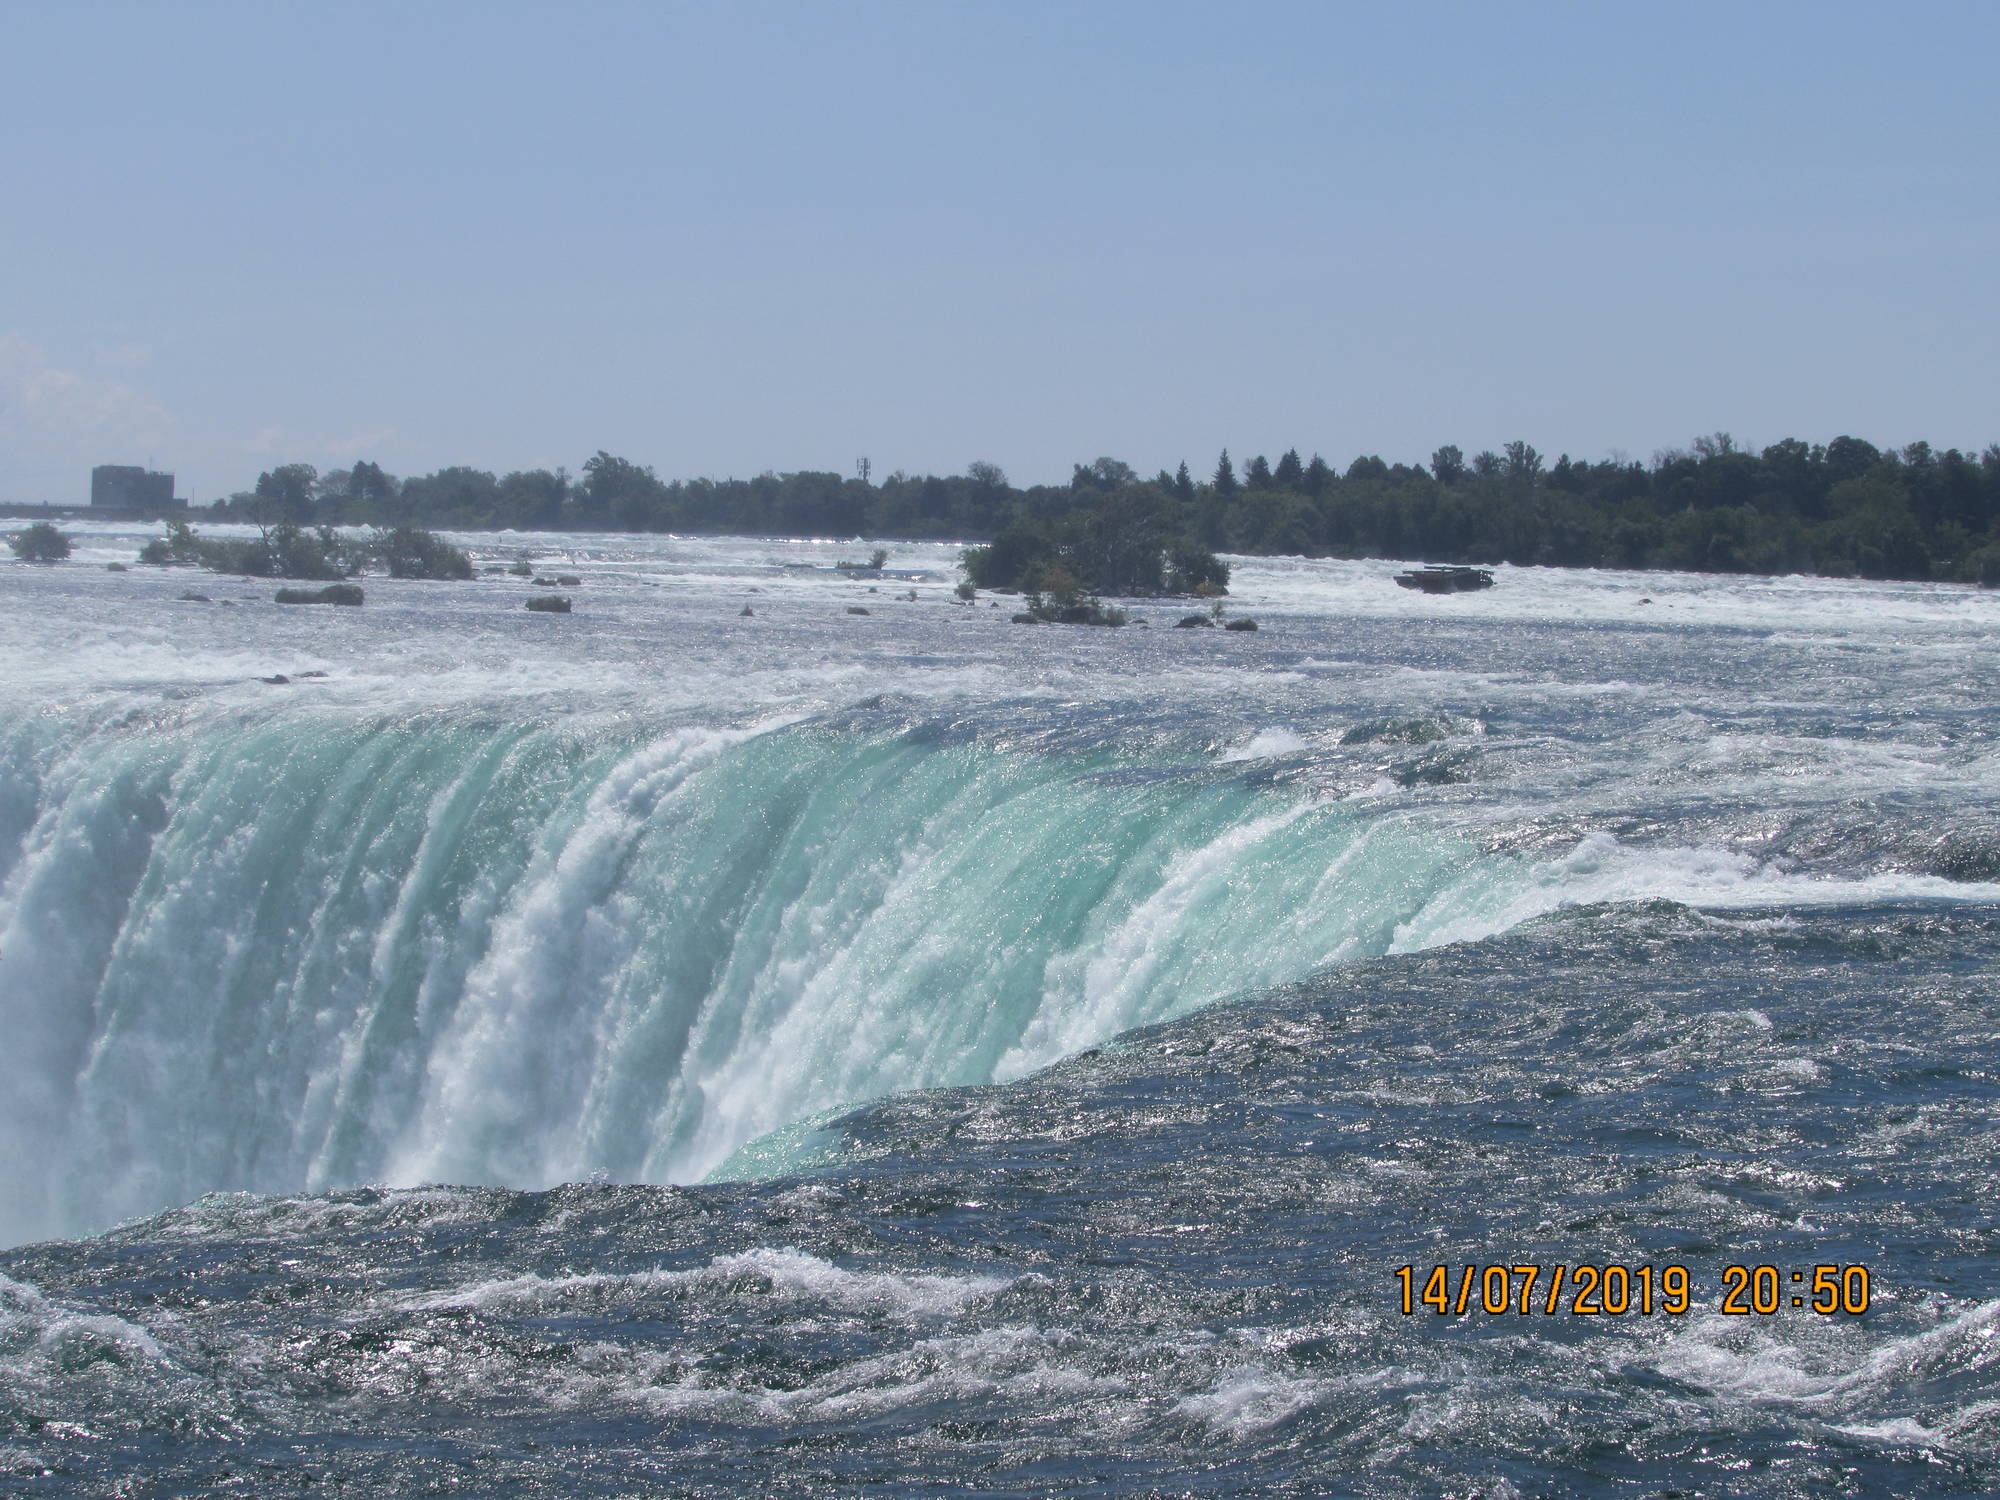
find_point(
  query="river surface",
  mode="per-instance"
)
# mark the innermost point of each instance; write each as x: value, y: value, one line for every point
x: 763, y: 1033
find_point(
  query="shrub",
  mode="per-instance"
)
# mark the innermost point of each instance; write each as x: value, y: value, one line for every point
x: 1057, y: 609
x: 283, y: 551
x: 1190, y: 622
x: 41, y: 542
x: 1244, y: 624
x: 333, y: 593
x: 179, y: 547
x: 1193, y: 569
x: 411, y: 552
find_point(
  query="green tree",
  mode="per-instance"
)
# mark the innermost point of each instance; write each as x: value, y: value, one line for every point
x: 1793, y: 474
x: 1849, y: 458
x: 1104, y: 474
x: 616, y: 491
x: 1873, y: 531
x: 458, y: 496
x: 288, y: 491
x: 408, y: 552
x: 372, y: 490
x: 40, y: 543
x: 1225, y: 477
x: 530, y: 499
x: 1524, y: 464
x: 1192, y: 568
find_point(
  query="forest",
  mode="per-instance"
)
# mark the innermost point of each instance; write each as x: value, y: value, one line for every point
x: 1845, y: 508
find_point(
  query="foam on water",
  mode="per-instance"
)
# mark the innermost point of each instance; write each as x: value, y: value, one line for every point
x: 1843, y: 1376
x: 1164, y: 1266
x: 515, y: 899
x: 1265, y: 744
x: 1601, y: 870
x: 39, y: 1338
x: 779, y: 1274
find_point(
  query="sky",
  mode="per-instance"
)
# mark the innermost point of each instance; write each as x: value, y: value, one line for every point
x: 725, y: 238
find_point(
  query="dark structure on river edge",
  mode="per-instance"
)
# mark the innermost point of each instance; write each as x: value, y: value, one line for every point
x: 129, y: 487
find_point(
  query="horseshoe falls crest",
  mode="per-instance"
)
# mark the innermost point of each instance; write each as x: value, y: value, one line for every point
x: 308, y: 950
x: 910, y: 1049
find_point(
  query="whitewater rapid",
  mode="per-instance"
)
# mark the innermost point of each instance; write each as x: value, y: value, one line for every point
x: 515, y: 900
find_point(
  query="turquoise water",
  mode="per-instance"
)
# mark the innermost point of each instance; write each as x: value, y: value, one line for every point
x: 662, y: 1050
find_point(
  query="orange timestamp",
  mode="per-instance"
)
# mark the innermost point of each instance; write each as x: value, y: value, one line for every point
x: 1615, y: 1290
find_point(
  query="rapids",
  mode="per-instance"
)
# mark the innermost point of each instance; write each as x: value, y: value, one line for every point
x: 767, y: 916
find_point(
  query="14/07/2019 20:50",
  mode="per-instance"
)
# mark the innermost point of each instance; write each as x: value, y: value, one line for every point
x: 1613, y: 1290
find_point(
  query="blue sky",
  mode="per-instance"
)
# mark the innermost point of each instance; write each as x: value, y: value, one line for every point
x: 724, y: 238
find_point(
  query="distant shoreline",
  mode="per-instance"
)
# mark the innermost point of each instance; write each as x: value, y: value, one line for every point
x: 30, y: 512
x: 222, y: 514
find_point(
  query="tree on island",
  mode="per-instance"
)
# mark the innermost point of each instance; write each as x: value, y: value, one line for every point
x: 409, y: 552
x: 284, y: 549
x: 40, y: 543
x: 1126, y: 544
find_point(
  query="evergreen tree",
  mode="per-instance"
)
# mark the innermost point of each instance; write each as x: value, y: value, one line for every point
x: 1259, y: 476
x: 1184, y: 483
x: 1225, y: 477
x: 1290, y: 473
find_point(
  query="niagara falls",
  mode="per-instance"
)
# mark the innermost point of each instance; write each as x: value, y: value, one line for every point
x: 1010, y: 751
x: 869, y: 973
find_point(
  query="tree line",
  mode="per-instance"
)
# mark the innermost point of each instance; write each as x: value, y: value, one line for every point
x: 1845, y: 508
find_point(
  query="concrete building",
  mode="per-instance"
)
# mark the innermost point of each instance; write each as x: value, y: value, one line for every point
x: 129, y: 487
